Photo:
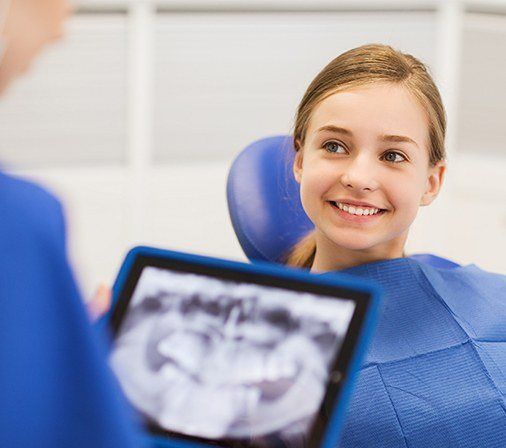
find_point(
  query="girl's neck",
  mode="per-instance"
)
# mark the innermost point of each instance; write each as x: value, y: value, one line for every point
x: 330, y: 257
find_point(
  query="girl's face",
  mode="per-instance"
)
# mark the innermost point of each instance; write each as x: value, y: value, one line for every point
x: 29, y: 26
x: 364, y: 169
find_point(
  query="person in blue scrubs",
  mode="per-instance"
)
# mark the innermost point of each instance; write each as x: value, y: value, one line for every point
x: 55, y: 387
x: 369, y: 141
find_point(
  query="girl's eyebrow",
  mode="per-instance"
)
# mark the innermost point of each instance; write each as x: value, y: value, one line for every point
x: 397, y: 139
x: 384, y: 138
x: 337, y: 129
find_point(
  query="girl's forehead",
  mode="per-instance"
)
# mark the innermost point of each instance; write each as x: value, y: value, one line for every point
x: 377, y: 109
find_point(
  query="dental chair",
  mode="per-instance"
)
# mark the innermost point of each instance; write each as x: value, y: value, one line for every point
x: 264, y: 203
x: 425, y: 382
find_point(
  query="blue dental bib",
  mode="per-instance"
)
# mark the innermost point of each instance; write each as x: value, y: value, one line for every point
x: 435, y: 372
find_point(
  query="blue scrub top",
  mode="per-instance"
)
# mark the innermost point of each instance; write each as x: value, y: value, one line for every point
x: 55, y: 387
x: 435, y: 372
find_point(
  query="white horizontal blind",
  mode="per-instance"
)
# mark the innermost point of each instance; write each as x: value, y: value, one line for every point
x: 224, y: 80
x: 482, y: 96
x: 71, y: 108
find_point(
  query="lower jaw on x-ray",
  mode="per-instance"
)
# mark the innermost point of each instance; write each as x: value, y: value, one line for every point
x: 222, y: 360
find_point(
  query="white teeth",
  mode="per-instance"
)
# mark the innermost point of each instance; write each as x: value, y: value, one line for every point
x: 356, y: 210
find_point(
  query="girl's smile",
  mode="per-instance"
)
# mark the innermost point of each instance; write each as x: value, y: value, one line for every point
x: 354, y: 212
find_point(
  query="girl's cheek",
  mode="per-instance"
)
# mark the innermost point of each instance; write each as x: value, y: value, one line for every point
x: 406, y: 199
x: 327, y: 171
x: 321, y: 183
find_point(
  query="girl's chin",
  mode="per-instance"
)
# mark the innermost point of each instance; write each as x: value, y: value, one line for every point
x: 352, y: 243
x: 356, y: 247
x: 367, y: 244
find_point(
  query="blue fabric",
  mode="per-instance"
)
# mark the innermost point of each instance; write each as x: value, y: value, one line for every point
x: 434, y: 260
x: 55, y: 387
x: 435, y: 373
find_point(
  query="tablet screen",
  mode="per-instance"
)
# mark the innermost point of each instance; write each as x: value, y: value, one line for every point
x: 242, y: 363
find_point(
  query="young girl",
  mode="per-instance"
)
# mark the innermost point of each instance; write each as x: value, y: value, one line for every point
x: 369, y: 141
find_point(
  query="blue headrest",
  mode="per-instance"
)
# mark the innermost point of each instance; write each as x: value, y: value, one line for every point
x: 264, y: 202
x: 263, y: 199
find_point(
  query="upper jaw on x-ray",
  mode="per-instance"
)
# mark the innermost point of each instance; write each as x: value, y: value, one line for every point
x: 219, y: 359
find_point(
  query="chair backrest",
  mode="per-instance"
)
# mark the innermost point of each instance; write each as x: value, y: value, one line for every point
x: 264, y: 202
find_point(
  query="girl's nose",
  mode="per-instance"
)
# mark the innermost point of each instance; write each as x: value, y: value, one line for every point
x: 359, y: 175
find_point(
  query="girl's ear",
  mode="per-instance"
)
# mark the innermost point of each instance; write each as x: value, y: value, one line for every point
x: 297, y: 165
x: 434, y: 182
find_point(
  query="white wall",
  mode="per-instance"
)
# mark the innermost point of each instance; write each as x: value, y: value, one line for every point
x: 135, y: 118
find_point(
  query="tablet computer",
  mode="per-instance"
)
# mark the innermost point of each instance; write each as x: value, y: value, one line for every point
x: 217, y: 352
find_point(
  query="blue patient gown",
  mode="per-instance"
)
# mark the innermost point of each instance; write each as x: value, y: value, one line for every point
x: 55, y: 387
x: 435, y: 373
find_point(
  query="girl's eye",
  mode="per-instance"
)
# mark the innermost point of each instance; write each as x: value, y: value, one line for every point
x: 394, y: 157
x: 334, y: 147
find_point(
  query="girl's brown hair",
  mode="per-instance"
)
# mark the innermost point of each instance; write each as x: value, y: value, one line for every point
x: 363, y: 65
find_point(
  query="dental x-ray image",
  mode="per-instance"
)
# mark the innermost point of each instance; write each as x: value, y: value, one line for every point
x: 225, y: 360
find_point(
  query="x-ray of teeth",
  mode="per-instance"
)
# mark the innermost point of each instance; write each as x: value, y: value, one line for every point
x: 224, y: 360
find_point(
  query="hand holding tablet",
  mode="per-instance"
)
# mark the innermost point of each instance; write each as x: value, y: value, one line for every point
x: 216, y: 352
